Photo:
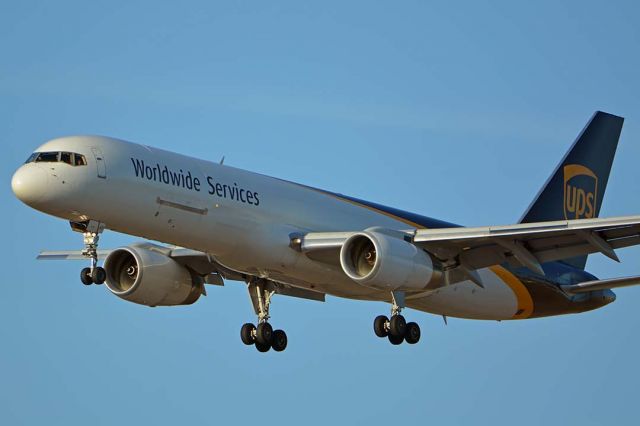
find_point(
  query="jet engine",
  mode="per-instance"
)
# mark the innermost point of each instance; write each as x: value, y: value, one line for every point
x: 384, y: 262
x: 145, y: 274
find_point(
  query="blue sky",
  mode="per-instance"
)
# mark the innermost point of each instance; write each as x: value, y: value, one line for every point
x: 457, y: 110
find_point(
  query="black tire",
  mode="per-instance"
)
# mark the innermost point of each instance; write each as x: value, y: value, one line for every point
x: 279, y: 341
x: 379, y: 326
x: 397, y: 325
x: 99, y: 276
x: 412, y: 333
x: 263, y: 348
x: 246, y: 334
x: 85, y: 276
x: 264, y: 333
x: 396, y: 340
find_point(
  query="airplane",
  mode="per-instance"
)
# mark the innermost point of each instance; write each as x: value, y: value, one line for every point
x: 217, y: 223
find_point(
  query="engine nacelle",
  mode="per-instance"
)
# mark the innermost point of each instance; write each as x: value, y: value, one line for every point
x: 383, y: 262
x: 145, y: 274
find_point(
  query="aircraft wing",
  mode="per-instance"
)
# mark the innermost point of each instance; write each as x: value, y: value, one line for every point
x: 198, y: 261
x: 531, y: 244
x: 205, y: 265
x: 69, y: 255
x: 527, y: 244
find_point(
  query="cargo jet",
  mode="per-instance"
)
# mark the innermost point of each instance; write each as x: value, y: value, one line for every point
x: 218, y: 223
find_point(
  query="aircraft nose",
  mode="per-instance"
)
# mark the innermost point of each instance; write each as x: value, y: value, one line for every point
x: 29, y: 184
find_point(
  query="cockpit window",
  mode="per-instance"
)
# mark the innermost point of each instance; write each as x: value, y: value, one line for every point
x: 70, y: 158
x: 65, y: 157
x: 47, y: 157
x: 80, y: 160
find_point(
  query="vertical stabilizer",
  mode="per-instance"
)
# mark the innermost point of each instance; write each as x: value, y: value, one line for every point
x: 576, y: 188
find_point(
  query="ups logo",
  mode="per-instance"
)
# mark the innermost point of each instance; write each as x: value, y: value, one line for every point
x: 580, y: 192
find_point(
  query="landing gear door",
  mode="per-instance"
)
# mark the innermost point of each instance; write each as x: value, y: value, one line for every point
x: 102, y: 168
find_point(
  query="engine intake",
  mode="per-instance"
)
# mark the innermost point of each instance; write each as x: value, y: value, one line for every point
x: 384, y: 262
x: 146, y: 275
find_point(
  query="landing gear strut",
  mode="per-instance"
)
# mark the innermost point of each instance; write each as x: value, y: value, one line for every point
x: 91, y: 235
x: 262, y: 336
x: 396, y: 329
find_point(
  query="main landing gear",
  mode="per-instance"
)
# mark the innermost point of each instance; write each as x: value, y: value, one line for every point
x: 396, y: 329
x: 263, y: 336
x: 91, y: 231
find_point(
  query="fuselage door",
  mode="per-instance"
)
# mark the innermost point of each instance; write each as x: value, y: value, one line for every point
x: 102, y: 168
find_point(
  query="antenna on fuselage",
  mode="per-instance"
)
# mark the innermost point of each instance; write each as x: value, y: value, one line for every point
x: 222, y: 161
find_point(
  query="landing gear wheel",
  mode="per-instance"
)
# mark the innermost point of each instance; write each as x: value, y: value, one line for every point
x: 85, y: 276
x: 246, y: 334
x: 262, y: 348
x: 379, y: 326
x: 99, y: 275
x: 397, y: 326
x: 279, y: 341
x: 412, y: 333
x: 264, y: 334
x: 396, y: 340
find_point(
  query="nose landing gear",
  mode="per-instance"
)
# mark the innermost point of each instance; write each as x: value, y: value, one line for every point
x: 262, y: 336
x: 91, y: 231
x: 396, y: 329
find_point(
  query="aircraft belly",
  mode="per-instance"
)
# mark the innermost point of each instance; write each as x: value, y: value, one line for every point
x: 497, y: 301
x: 291, y: 267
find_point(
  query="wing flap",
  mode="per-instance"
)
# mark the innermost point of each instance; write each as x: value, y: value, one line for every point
x: 300, y: 293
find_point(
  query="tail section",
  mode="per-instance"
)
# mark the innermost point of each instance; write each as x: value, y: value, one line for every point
x: 576, y: 188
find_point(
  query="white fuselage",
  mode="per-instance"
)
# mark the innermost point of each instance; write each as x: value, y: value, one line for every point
x: 242, y: 219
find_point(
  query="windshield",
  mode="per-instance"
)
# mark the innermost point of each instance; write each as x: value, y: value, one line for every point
x: 70, y: 158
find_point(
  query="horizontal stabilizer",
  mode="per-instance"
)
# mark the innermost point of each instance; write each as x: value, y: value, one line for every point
x: 601, y: 285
